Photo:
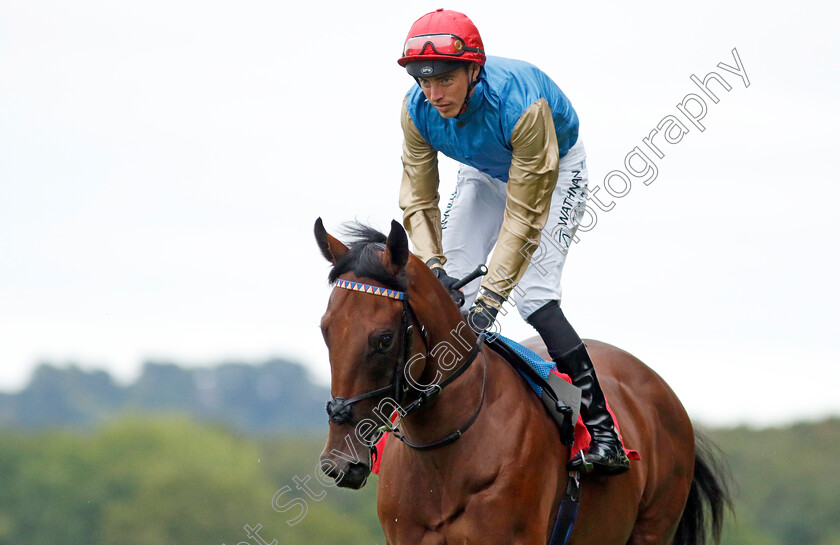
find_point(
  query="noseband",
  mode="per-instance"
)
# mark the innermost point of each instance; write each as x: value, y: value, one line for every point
x: 340, y: 410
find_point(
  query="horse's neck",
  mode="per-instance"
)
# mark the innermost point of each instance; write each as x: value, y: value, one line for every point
x: 455, y: 407
x: 445, y: 327
x: 449, y: 343
x: 508, y: 405
x: 430, y: 300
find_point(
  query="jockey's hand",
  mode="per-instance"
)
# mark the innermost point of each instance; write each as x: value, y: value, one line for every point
x: 481, y: 317
x: 448, y: 282
x: 483, y: 312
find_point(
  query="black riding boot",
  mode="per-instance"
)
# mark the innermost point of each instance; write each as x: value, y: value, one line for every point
x: 606, y: 454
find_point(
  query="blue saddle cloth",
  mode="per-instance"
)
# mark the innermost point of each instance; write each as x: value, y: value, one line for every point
x: 537, y: 363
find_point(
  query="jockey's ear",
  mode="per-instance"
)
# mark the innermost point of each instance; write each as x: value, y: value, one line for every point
x: 396, y: 248
x: 331, y: 247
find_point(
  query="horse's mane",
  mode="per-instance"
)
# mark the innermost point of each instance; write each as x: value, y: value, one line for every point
x: 365, y: 257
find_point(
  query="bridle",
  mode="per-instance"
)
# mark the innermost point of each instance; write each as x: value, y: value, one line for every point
x: 340, y: 410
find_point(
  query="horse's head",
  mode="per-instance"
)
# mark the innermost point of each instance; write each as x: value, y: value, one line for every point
x: 368, y: 328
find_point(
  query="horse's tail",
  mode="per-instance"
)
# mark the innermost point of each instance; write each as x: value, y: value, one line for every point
x: 709, y: 497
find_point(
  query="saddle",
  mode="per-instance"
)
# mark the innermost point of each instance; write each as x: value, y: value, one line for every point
x: 555, y: 389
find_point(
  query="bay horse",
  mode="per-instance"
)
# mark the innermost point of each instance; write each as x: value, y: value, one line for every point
x: 482, y: 461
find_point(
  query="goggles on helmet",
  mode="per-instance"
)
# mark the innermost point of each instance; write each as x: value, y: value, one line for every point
x: 442, y: 44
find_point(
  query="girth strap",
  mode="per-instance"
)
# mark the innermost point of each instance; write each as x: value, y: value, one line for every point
x: 568, y: 511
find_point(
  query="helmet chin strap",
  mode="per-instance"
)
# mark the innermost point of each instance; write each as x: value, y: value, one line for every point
x: 471, y: 86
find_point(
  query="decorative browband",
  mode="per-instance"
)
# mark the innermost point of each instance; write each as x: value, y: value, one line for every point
x: 374, y: 290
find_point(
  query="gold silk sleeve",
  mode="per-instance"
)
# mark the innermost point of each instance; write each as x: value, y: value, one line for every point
x: 531, y: 182
x: 419, y: 198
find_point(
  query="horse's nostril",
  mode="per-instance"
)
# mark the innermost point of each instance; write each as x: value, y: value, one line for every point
x: 330, y: 469
x: 355, y: 477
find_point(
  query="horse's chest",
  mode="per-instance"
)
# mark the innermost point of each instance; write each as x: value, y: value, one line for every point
x: 444, y: 514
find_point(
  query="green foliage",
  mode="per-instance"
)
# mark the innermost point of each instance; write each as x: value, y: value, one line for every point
x: 164, y: 480
x: 175, y: 482
x: 787, y: 484
x: 144, y: 481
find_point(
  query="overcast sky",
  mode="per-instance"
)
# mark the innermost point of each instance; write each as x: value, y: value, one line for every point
x: 162, y: 164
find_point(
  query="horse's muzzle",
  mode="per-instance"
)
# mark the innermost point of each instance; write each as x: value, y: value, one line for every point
x: 353, y: 475
x: 346, y: 472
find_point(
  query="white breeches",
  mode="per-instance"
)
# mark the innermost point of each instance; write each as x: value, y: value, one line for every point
x: 473, y: 218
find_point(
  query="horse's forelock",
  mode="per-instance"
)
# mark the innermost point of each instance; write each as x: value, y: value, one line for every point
x: 365, y: 257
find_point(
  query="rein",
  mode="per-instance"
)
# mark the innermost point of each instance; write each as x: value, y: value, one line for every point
x: 340, y: 410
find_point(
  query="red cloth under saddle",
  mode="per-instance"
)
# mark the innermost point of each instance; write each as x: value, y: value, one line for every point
x: 582, y: 437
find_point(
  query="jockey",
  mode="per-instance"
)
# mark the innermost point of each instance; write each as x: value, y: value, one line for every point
x: 522, y: 176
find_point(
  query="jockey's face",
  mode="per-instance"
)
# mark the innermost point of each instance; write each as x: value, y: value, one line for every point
x: 447, y: 92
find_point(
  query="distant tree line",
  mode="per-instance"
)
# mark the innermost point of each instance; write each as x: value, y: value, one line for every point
x: 275, y: 397
x: 229, y: 455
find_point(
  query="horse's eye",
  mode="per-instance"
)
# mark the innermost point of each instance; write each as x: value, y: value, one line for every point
x: 385, y: 341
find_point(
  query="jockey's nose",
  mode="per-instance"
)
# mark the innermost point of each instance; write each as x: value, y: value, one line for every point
x: 435, y: 92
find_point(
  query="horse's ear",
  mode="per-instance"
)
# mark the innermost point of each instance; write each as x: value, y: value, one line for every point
x: 331, y: 247
x: 396, y: 248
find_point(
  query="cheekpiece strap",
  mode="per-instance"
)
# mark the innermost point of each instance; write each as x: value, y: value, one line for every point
x: 373, y: 290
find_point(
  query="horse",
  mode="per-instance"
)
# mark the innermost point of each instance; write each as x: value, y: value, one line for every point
x: 480, y: 460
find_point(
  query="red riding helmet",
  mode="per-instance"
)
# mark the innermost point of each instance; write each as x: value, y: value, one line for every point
x: 440, y: 42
